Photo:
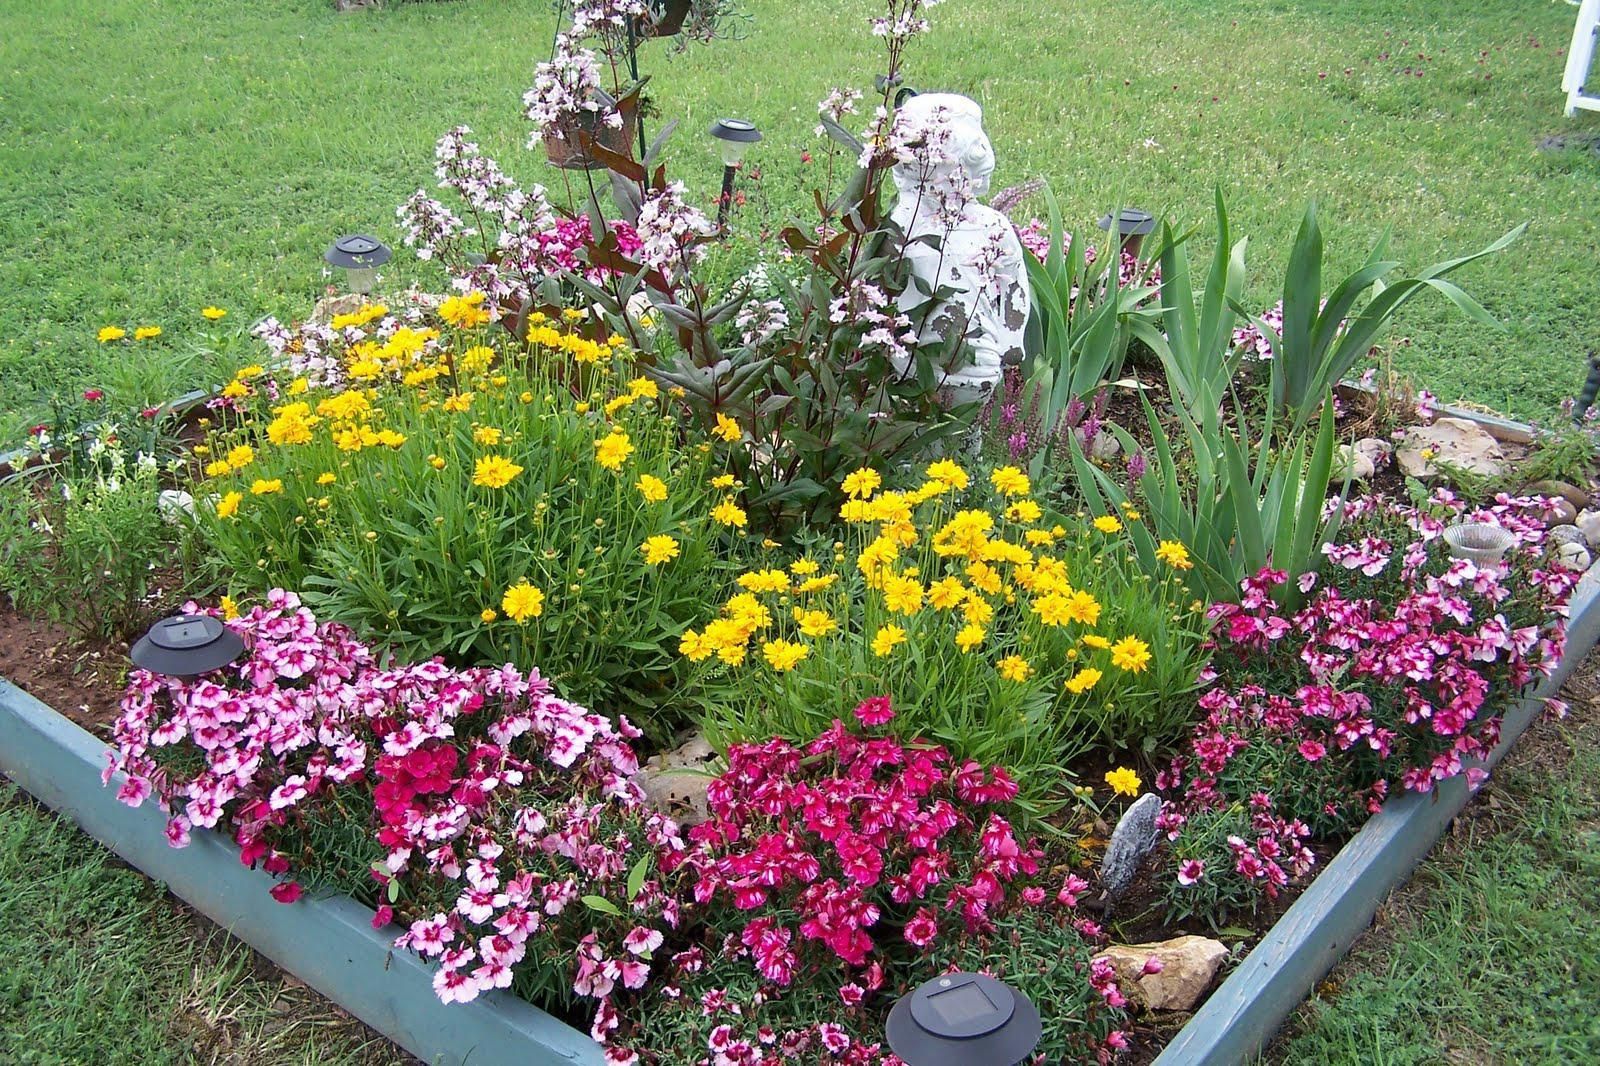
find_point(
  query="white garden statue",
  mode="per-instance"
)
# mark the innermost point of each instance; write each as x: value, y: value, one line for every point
x: 945, y: 163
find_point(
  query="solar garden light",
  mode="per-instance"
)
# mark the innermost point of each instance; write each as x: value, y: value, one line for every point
x: 186, y: 646
x: 359, y: 256
x: 964, y: 1019
x: 734, y: 136
x: 1132, y: 227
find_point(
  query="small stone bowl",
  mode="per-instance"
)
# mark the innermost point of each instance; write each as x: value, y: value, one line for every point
x: 1484, y: 543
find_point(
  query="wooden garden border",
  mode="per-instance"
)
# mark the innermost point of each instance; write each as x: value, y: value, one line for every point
x: 330, y: 944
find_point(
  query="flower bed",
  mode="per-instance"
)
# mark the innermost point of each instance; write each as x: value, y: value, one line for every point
x: 489, y: 550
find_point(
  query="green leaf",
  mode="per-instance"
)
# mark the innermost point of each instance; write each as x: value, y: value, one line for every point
x: 637, y: 875
x: 603, y: 905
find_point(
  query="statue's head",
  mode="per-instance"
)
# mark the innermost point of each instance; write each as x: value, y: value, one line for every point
x: 955, y: 124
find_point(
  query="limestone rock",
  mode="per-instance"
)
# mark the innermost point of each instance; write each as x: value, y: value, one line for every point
x: 1377, y: 450
x: 330, y: 307
x: 1589, y: 522
x: 1105, y: 446
x: 1187, y: 966
x: 1571, y: 493
x: 675, y: 781
x: 1561, y: 513
x: 1559, y: 535
x: 1458, y: 441
x: 1574, y: 555
x: 1356, y: 464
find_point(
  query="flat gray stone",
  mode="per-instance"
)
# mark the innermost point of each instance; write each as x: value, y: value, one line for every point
x: 1457, y: 441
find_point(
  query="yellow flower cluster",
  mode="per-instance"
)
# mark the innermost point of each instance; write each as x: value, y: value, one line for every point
x: 954, y: 580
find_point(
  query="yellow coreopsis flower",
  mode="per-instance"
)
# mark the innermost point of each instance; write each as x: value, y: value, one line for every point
x: 784, y: 655
x: 1014, y: 668
x: 228, y: 506
x: 522, y: 601
x: 494, y: 472
x: 266, y: 486
x: 617, y: 403
x: 946, y: 593
x: 1130, y: 654
x: 644, y: 387
x: 488, y: 614
x: 887, y: 639
x: 723, y: 481
x: 729, y: 513
x: 764, y: 581
x: 1174, y: 554
x: 1009, y: 481
x: 1123, y: 781
x: 1094, y: 640
x: 464, y: 312
x: 1083, y: 681
x: 727, y: 429
x: 218, y: 468
x: 970, y: 637
x: 1106, y: 524
x: 948, y: 472
x: 815, y: 623
x: 235, y: 390
x: 977, y: 610
x: 241, y: 456
x: 1024, y: 511
x: 817, y: 583
x: 1083, y: 607
x: 902, y: 593
x: 230, y: 609
x: 457, y: 403
x: 108, y: 334
x: 213, y: 313
x: 694, y: 647
x: 652, y: 488
x: 326, y: 478
x: 476, y: 360
x: 659, y: 549
x: 803, y: 567
x: 612, y: 450
x: 488, y: 436
x: 146, y: 333
x: 861, y: 484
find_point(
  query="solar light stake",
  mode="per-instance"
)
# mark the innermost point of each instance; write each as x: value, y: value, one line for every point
x: 734, y: 136
x: 359, y: 256
x: 1132, y: 226
x: 186, y: 646
x: 964, y: 1019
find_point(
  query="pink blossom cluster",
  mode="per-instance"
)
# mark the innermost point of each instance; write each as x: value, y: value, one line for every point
x: 494, y: 799
x: 511, y: 239
x: 1392, y: 674
x: 890, y: 839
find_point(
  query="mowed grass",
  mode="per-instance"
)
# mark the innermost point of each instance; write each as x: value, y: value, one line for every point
x: 1491, y: 955
x: 157, y: 156
x: 103, y: 968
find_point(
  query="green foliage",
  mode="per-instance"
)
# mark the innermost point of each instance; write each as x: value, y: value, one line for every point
x: 1195, y: 344
x: 85, y: 550
x: 1082, y: 323
x: 1236, y: 508
x: 1008, y: 635
x: 1318, y: 349
x: 403, y: 542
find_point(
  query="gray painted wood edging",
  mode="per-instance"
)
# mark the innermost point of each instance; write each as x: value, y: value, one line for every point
x: 327, y: 943
x: 1242, y: 1015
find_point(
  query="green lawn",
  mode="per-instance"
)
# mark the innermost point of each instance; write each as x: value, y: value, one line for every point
x: 104, y: 968
x: 160, y: 155
x: 1492, y: 953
